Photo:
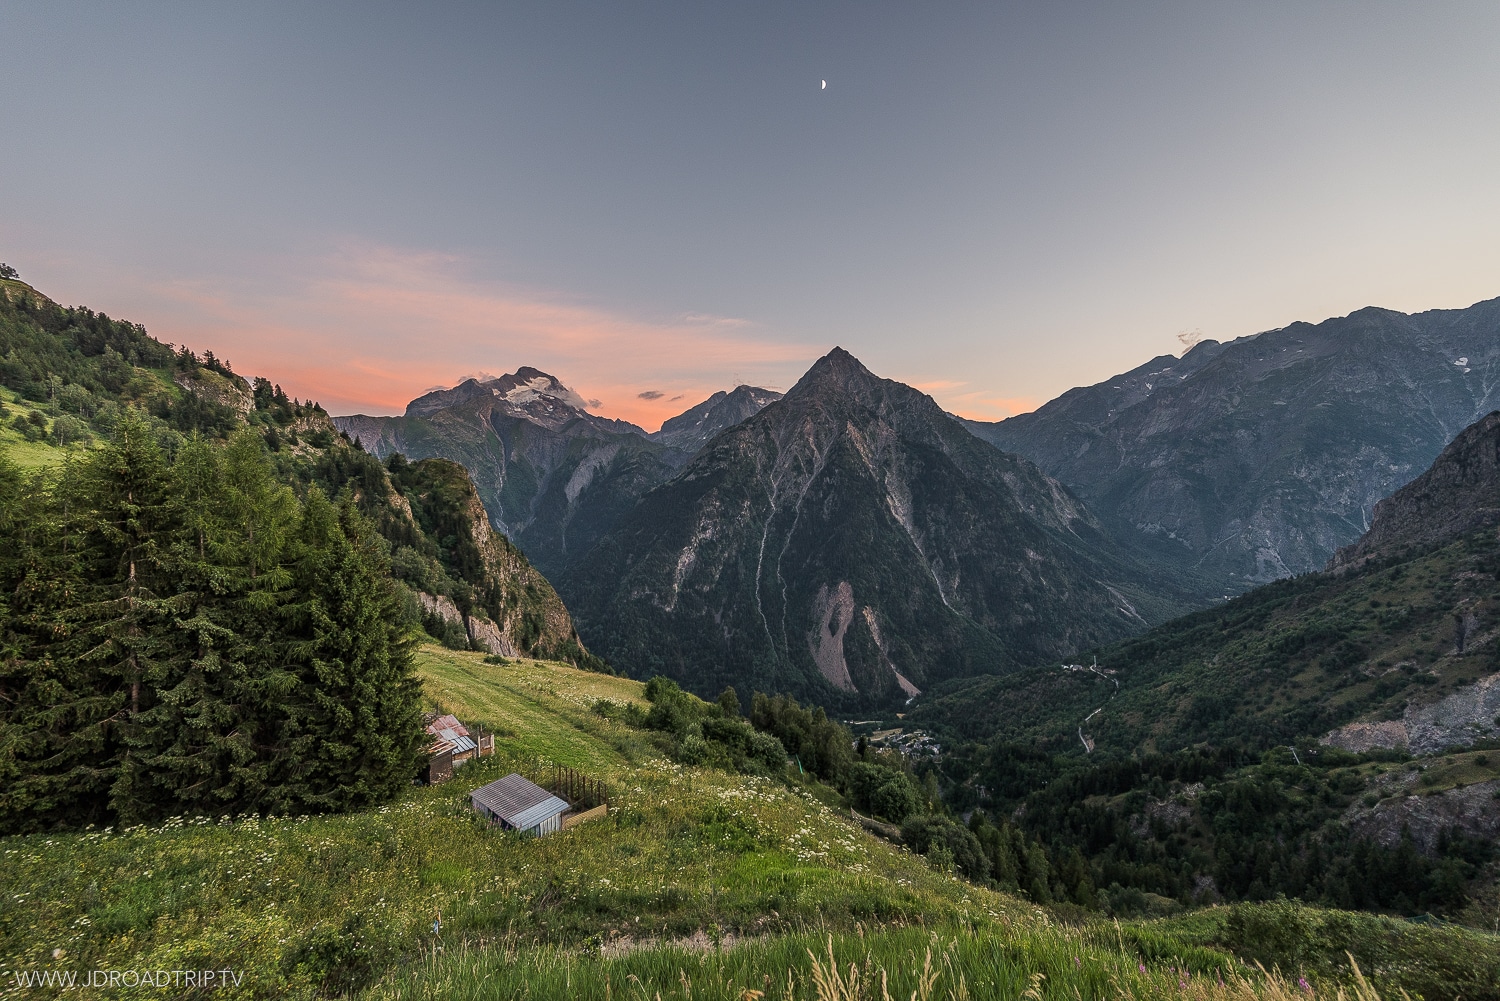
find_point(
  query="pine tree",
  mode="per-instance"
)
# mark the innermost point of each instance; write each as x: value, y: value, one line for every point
x: 185, y: 637
x: 353, y: 730
x: 194, y: 746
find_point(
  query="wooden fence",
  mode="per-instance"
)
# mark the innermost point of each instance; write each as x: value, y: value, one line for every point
x: 582, y: 792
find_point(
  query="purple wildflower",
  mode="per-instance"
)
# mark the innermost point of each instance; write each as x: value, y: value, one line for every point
x: 1302, y: 983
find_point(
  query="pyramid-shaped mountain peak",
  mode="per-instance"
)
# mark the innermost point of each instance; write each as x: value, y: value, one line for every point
x: 838, y: 370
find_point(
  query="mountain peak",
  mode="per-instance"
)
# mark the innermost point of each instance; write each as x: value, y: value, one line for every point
x: 694, y: 427
x: 541, y: 396
x: 838, y: 369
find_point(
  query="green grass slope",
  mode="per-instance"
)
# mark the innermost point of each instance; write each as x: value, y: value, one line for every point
x: 25, y: 452
x: 699, y: 884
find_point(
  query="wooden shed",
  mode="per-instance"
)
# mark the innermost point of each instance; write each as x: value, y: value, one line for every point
x: 518, y: 804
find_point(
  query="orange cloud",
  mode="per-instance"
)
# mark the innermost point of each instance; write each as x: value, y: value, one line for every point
x: 978, y: 406
x: 373, y: 328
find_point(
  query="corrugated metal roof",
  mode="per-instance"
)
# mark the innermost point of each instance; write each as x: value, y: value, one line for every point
x: 530, y: 818
x: 517, y: 801
x: 443, y: 723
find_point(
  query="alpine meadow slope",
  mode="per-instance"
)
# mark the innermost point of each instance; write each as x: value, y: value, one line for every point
x: 853, y: 542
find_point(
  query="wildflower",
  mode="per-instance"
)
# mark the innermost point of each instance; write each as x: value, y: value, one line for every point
x: 1302, y: 983
x: 1143, y: 967
x: 1077, y: 963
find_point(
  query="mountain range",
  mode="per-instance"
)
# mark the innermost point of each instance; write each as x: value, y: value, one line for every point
x: 855, y: 542
x: 1394, y: 644
x: 1182, y: 481
x: 1260, y: 457
x: 552, y: 476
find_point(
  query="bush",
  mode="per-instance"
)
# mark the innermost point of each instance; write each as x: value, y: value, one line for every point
x: 883, y: 791
x: 953, y: 840
x: 702, y: 733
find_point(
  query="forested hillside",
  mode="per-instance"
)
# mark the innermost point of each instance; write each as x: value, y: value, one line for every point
x: 1403, y: 621
x: 1210, y: 758
x: 207, y: 594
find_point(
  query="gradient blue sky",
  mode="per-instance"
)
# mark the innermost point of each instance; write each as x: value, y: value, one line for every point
x: 993, y: 202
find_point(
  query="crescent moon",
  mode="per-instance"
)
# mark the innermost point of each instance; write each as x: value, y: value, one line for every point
x: 825, y: 85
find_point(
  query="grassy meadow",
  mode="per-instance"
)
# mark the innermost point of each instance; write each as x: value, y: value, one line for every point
x: 28, y: 455
x: 700, y: 884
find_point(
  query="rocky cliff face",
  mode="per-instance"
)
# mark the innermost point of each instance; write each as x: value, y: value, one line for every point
x: 551, y: 476
x: 854, y: 542
x: 1458, y: 720
x: 693, y: 429
x: 507, y: 607
x: 1458, y: 494
x: 1473, y: 810
x: 1260, y: 457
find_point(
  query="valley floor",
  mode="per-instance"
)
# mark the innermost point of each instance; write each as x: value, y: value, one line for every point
x: 700, y: 884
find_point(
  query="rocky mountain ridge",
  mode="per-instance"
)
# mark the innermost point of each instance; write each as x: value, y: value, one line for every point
x: 1259, y: 458
x: 551, y: 476
x: 1458, y: 494
x: 695, y: 427
x: 853, y: 540
x: 527, y: 393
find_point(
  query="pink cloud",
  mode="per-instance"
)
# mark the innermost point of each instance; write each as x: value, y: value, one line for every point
x: 372, y: 328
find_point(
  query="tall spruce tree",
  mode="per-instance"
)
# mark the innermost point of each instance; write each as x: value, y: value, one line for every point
x: 353, y: 729
x: 184, y: 637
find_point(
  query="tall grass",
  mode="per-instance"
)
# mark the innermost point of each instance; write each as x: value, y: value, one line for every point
x: 1037, y: 962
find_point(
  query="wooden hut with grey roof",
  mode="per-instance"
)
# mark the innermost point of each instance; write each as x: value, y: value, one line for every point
x: 518, y: 804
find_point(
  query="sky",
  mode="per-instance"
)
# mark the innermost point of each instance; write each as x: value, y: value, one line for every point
x: 992, y: 202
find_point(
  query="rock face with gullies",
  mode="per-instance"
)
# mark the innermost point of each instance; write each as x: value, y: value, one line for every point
x: 1258, y: 458
x: 552, y: 476
x: 509, y: 608
x: 694, y: 428
x: 1459, y: 494
x: 854, y: 543
x: 1473, y: 810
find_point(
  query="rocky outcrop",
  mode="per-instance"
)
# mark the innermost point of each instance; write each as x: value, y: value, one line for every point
x: 1458, y: 494
x: 483, y: 633
x: 1362, y: 737
x: 1468, y: 714
x: 514, y: 610
x: 487, y: 636
x: 441, y: 607
x: 226, y: 391
x: 1474, y: 810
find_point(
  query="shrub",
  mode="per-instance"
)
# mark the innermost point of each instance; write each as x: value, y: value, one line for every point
x: 923, y: 834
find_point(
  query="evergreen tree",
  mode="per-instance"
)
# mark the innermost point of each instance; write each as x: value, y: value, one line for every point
x: 184, y: 637
x: 352, y: 733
